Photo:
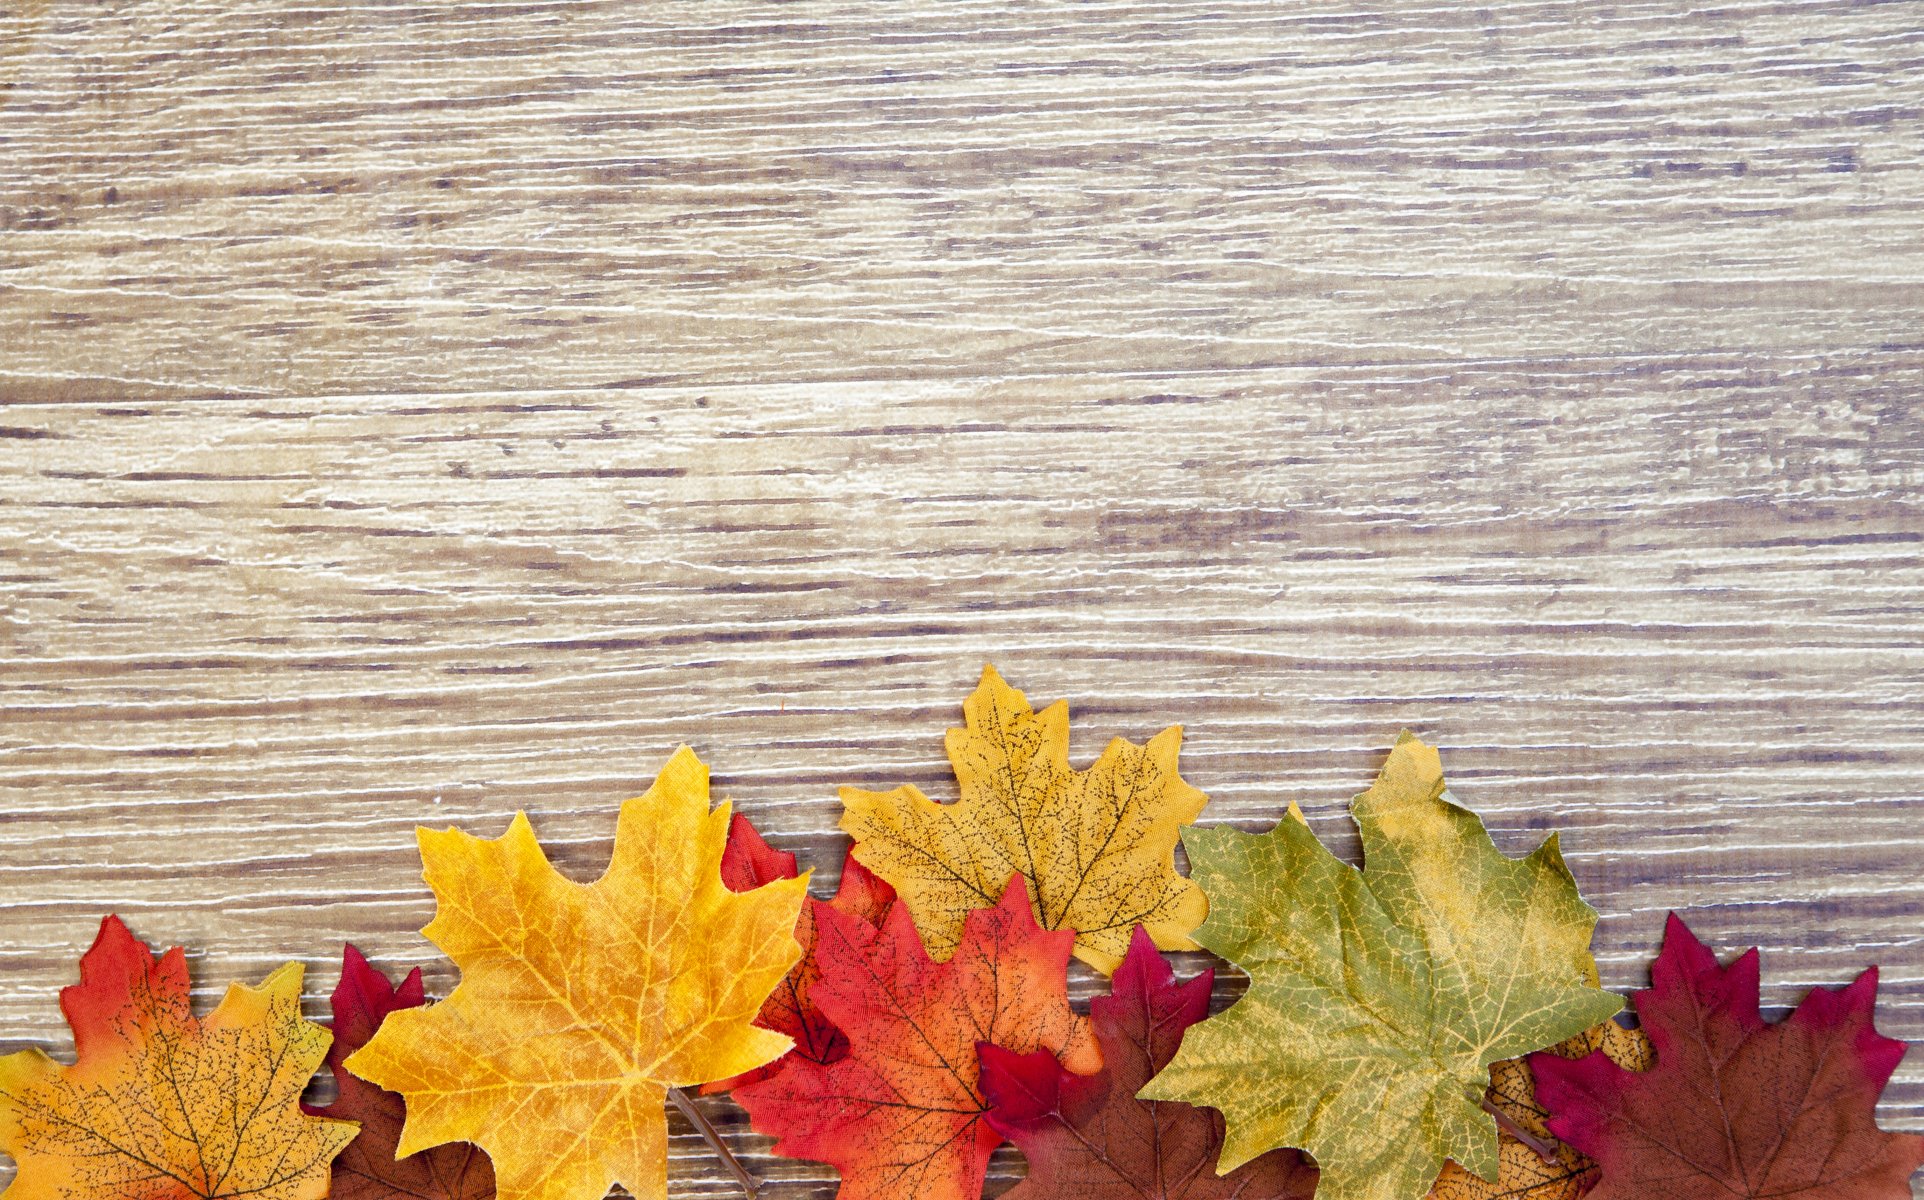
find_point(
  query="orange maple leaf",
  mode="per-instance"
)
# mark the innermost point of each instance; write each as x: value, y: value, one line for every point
x: 748, y: 863
x: 161, y: 1106
x: 901, y: 1114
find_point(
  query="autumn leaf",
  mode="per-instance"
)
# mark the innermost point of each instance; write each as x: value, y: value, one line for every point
x: 1523, y: 1173
x: 368, y: 1169
x: 159, y: 1105
x: 1734, y: 1107
x: 579, y: 1005
x: 1378, y: 998
x: 1096, y: 848
x: 1087, y: 1137
x: 748, y: 863
x: 901, y: 1113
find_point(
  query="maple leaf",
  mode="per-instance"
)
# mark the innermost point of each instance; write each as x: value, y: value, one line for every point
x: 901, y: 1113
x: 159, y: 1105
x: 1096, y: 848
x: 581, y: 1005
x: 1734, y: 1107
x: 748, y: 863
x: 1088, y: 1138
x: 1524, y: 1173
x: 1378, y: 998
x: 368, y: 1169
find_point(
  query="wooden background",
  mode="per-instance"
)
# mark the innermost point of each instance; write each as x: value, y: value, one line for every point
x: 420, y: 411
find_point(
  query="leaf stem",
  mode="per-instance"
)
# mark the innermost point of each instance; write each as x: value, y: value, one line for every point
x: 1545, y: 1150
x: 713, y: 1137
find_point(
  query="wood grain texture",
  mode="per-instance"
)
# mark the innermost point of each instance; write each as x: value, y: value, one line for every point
x: 416, y: 412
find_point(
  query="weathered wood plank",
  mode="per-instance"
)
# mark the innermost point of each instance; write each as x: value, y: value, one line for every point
x: 418, y: 412
x: 251, y: 197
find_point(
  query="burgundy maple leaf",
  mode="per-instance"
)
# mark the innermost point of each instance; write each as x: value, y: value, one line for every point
x: 367, y: 1169
x: 1087, y: 1137
x: 1736, y: 1108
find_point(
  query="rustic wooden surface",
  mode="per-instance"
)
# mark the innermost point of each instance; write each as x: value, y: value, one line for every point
x: 416, y: 412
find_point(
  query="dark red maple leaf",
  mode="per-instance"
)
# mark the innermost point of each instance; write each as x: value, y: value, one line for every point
x: 901, y: 1113
x: 1087, y: 1137
x: 367, y: 1169
x: 747, y: 863
x: 1736, y: 1108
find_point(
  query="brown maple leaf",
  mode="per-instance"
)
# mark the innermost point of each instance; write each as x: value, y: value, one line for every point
x: 1523, y: 1171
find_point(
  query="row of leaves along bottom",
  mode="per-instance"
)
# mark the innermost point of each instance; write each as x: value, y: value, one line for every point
x: 1427, y: 1025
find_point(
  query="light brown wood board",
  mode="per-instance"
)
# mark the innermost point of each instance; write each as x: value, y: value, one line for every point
x: 419, y: 412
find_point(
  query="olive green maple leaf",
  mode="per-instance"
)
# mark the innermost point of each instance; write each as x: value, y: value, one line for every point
x: 1379, y: 998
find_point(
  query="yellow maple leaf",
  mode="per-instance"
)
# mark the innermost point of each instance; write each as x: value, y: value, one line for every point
x: 159, y: 1105
x: 580, y: 1005
x: 1097, y: 847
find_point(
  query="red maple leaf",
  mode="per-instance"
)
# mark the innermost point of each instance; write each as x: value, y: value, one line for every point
x: 1087, y: 1137
x: 747, y: 863
x: 1734, y: 1107
x: 901, y: 1113
x: 367, y: 1169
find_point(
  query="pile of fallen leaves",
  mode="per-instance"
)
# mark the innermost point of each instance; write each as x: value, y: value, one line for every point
x: 1427, y: 1025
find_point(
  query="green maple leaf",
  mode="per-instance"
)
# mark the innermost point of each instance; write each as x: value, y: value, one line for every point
x: 1379, y: 998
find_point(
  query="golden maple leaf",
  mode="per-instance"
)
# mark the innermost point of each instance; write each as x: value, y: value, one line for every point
x: 1523, y: 1173
x: 580, y: 1005
x: 1097, y: 847
x: 159, y: 1105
